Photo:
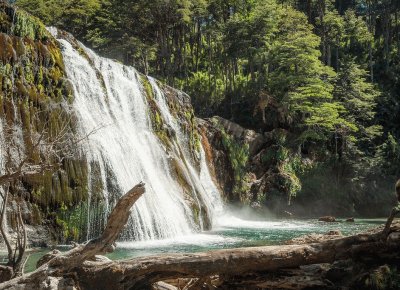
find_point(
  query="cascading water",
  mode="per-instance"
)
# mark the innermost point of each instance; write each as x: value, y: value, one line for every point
x: 125, y: 150
x: 202, y: 183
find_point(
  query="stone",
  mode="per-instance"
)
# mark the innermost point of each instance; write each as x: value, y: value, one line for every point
x: 350, y: 220
x: 287, y: 214
x: 6, y: 273
x: 255, y: 205
x: 328, y: 219
x: 334, y: 233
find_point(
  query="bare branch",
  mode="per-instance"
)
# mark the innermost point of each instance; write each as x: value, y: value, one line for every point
x: 3, y: 231
x: 74, y: 258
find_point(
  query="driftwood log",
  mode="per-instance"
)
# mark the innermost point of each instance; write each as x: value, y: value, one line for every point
x: 141, y: 273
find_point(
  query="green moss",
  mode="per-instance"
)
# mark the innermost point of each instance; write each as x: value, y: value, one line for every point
x: 238, y: 155
x: 286, y: 164
x: 291, y: 183
x: 56, y: 55
x: 73, y: 221
x: 32, y: 76
x: 5, y: 21
x: 55, y: 74
x: 25, y: 25
x: 157, y: 122
x: 179, y: 175
x: 148, y: 89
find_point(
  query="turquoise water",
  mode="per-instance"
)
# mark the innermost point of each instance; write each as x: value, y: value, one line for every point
x: 231, y: 232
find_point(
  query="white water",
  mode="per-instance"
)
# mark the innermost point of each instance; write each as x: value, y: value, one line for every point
x: 232, y: 222
x: 203, y: 184
x: 203, y: 240
x: 127, y: 147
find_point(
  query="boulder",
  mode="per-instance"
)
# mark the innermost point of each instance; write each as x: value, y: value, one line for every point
x: 328, y: 219
x: 315, y: 238
x: 6, y: 273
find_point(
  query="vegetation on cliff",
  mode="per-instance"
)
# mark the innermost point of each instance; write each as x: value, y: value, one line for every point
x: 35, y: 99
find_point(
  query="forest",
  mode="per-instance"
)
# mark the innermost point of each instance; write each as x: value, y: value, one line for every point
x: 323, y: 74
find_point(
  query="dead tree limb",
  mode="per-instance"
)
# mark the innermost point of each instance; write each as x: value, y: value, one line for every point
x: 16, y: 165
x: 395, y: 211
x: 63, y: 264
x: 3, y: 230
x: 140, y: 273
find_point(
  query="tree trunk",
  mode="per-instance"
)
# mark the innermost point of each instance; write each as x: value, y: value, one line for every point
x: 139, y: 273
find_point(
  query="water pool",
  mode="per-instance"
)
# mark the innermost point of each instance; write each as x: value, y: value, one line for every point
x: 230, y: 232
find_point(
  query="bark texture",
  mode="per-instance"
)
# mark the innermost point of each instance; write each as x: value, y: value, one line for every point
x: 141, y: 273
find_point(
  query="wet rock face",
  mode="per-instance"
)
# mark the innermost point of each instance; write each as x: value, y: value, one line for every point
x: 217, y: 157
x: 35, y: 97
x: 259, y: 179
x: 250, y: 137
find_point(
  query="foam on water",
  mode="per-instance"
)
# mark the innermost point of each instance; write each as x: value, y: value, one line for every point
x: 203, y: 240
x: 231, y: 221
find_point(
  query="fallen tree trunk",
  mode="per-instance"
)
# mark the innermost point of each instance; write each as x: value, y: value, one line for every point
x: 63, y: 264
x: 140, y: 273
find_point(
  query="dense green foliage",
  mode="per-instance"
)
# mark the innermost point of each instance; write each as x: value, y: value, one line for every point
x: 327, y: 72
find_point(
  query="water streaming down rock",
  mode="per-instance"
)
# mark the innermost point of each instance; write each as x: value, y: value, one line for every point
x: 203, y: 183
x: 126, y: 150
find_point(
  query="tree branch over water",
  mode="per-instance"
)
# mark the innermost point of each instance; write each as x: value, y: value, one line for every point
x: 65, y: 263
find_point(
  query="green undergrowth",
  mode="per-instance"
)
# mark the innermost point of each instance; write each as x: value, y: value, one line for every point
x: 238, y: 155
x: 285, y: 164
x: 383, y: 278
x: 81, y: 222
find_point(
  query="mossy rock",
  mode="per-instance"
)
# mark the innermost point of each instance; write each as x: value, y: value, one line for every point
x: 33, y: 95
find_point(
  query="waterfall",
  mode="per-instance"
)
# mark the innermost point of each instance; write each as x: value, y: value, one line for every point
x: 125, y: 150
x: 202, y: 183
